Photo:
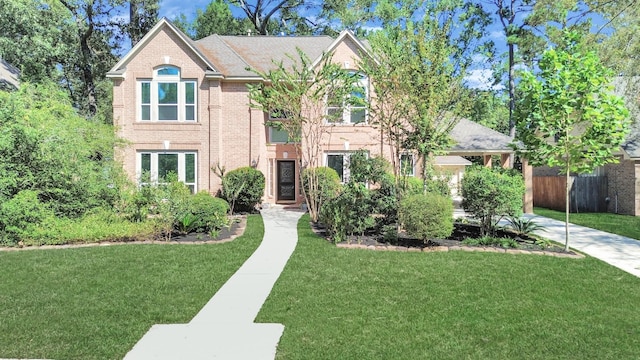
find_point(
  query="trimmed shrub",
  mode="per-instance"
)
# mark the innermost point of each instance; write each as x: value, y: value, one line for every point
x: 209, y: 213
x: 426, y: 216
x: 349, y: 213
x: 327, y: 181
x: 243, y: 188
x: 491, y: 194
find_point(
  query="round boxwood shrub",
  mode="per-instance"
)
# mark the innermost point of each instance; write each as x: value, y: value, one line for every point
x: 426, y: 216
x: 209, y: 213
x: 243, y: 188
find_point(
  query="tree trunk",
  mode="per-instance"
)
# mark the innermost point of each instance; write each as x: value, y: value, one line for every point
x: 566, y: 208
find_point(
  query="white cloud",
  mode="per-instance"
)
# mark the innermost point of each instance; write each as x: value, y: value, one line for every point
x: 497, y: 34
x: 481, y: 79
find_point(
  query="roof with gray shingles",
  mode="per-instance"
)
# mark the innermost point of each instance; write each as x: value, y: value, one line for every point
x: 234, y: 54
x: 8, y: 75
x: 471, y: 137
x: 451, y: 160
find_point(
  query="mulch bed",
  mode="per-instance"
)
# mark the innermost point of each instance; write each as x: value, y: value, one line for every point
x: 461, y: 231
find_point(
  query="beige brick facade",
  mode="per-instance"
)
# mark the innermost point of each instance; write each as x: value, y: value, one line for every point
x: 227, y: 132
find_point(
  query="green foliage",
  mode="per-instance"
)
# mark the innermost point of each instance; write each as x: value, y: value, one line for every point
x: 95, y: 226
x: 349, y: 213
x: 491, y: 241
x: 206, y: 213
x: 567, y: 115
x: 243, y: 188
x: 490, y: 194
x: 426, y: 216
x: 524, y: 226
x: 20, y: 215
x: 218, y: 19
x: 327, y: 184
x: 365, y: 169
x: 46, y: 147
x: 171, y: 204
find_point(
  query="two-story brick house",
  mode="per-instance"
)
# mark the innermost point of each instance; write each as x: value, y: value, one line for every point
x: 184, y: 106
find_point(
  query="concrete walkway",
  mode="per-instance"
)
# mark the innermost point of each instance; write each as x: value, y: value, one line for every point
x: 224, y: 328
x: 619, y: 251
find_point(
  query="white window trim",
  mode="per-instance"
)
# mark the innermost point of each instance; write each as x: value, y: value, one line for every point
x: 346, y: 175
x: 158, y: 79
x: 346, y: 108
x: 154, y: 167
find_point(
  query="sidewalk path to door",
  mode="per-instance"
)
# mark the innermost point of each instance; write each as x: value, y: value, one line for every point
x: 619, y: 251
x: 224, y: 328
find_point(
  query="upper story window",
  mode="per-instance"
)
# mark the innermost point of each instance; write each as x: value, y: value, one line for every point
x: 167, y: 97
x: 354, y: 109
x: 276, y: 134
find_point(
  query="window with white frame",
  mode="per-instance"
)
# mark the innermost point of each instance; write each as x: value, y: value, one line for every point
x: 167, y: 97
x: 339, y: 161
x: 154, y: 166
x: 407, y: 165
x: 354, y: 111
x: 277, y: 135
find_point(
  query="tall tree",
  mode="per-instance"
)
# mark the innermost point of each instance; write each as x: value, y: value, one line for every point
x: 262, y: 13
x: 567, y: 115
x: 417, y: 72
x: 217, y: 19
x: 298, y: 94
x: 143, y: 15
x: 33, y: 40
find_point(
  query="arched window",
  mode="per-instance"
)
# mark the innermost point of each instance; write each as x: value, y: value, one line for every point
x: 167, y: 97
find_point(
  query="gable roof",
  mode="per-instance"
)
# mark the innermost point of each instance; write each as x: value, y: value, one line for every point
x: 9, y: 75
x: 118, y: 69
x: 231, y: 56
x: 473, y: 138
x: 234, y: 54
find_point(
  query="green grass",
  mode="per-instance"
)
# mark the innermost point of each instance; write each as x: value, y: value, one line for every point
x: 360, y: 304
x: 624, y: 225
x: 96, y: 303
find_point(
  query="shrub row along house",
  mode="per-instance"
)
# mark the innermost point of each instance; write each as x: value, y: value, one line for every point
x: 184, y: 106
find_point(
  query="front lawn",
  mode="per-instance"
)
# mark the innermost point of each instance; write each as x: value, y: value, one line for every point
x: 361, y: 304
x: 624, y: 225
x: 96, y: 303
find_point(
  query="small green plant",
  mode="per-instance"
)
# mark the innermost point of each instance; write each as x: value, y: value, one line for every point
x: 491, y: 241
x: 426, y: 216
x: 543, y: 243
x: 186, y: 223
x: 389, y: 233
x: 524, y: 226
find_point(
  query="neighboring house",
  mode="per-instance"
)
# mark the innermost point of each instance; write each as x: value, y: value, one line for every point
x: 9, y: 76
x: 183, y: 106
x: 618, y: 187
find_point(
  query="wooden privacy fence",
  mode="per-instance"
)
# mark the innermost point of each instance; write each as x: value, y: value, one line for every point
x: 588, y: 193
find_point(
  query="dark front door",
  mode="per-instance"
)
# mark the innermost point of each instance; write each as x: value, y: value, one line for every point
x: 287, y: 180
